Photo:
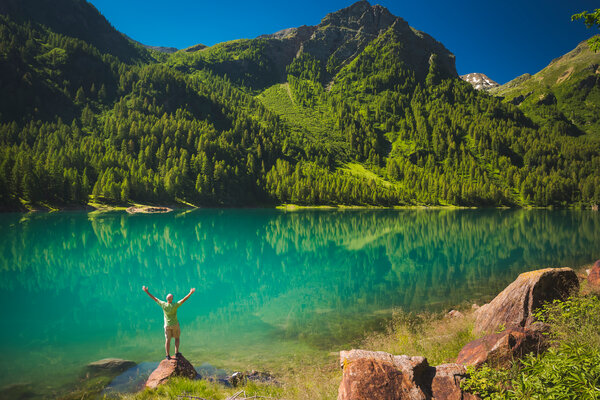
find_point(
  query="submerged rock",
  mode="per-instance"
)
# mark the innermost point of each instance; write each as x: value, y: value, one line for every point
x: 514, y: 306
x: 378, y: 375
x: 168, y: 368
x: 131, y: 380
x: 499, y: 349
x: 110, y: 365
x: 17, y: 391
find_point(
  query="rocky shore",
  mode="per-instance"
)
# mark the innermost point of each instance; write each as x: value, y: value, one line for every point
x: 504, y: 330
x: 508, y: 331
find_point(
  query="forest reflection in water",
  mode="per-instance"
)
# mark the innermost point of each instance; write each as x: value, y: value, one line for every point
x: 267, y: 281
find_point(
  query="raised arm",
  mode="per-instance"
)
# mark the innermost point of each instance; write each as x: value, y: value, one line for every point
x: 192, y: 290
x: 145, y: 289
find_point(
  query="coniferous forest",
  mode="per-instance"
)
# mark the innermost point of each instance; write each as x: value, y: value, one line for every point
x: 87, y: 114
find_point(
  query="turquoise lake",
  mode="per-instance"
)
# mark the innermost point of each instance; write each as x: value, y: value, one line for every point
x: 271, y: 286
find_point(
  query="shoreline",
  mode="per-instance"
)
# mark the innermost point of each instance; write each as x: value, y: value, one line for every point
x: 96, y: 207
x: 372, y: 340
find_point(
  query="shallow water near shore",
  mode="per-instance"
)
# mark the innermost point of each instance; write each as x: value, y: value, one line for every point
x: 272, y: 286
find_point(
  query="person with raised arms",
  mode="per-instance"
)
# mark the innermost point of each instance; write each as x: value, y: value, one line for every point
x: 172, y: 329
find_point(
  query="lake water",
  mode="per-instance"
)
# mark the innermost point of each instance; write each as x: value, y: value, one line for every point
x: 271, y: 285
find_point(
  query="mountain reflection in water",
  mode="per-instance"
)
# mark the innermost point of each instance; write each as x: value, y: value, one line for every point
x: 270, y: 284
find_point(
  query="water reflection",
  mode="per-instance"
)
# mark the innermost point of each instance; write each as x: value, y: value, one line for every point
x: 269, y: 283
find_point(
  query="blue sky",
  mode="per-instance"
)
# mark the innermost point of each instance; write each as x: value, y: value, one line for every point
x: 502, y: 39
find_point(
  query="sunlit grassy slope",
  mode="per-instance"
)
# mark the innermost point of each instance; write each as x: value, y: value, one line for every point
x: 315, y: 121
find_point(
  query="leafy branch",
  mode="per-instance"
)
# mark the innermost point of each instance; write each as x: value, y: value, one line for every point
x: 590, y: 20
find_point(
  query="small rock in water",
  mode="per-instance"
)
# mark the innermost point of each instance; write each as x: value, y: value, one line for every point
x: 237, y: 379
x: 110, y: 365
x: 263, y: 377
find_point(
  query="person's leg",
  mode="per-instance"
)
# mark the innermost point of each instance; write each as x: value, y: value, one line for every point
x: 176, y: 335
x: 167, y: 340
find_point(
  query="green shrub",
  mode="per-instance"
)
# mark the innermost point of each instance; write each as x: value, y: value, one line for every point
x: 568, y: 370
x: 575, y: 320
x: 487, y: 382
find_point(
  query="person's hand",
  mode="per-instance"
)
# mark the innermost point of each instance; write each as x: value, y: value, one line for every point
x: 192, y: 290
x: 145, y: 289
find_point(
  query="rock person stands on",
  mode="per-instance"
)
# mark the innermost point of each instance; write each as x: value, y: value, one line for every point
x: 172, y: 329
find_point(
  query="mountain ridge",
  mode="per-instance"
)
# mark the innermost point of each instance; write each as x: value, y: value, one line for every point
x: 548, y: 94
x: 78, y: 19
x: 160, y: 49
x: 361, y: 109
x: 339, y: 38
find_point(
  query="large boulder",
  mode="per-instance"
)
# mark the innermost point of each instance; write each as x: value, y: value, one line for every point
x: 594, y: 276
x: 499, y: 349
x: 168, y: 368
x: 376, y: 375
x: 110, y: 366
x: 373, y: 379
x: 410, y: 371
x: 514, y: 306
x: 445, y: 383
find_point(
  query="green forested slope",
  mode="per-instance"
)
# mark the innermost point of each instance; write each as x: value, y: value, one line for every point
x: 565, y: 93
x: 378, y: 118
x: 77, y: 19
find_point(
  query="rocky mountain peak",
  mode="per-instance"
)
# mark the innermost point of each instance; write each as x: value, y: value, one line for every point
x: 343, y: 35
x: 302, y: 32
x: 361, y: 16
x: 479, y: 81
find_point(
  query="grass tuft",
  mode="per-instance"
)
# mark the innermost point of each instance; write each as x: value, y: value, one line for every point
x: 179, y: 388
x: 434, y: 336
